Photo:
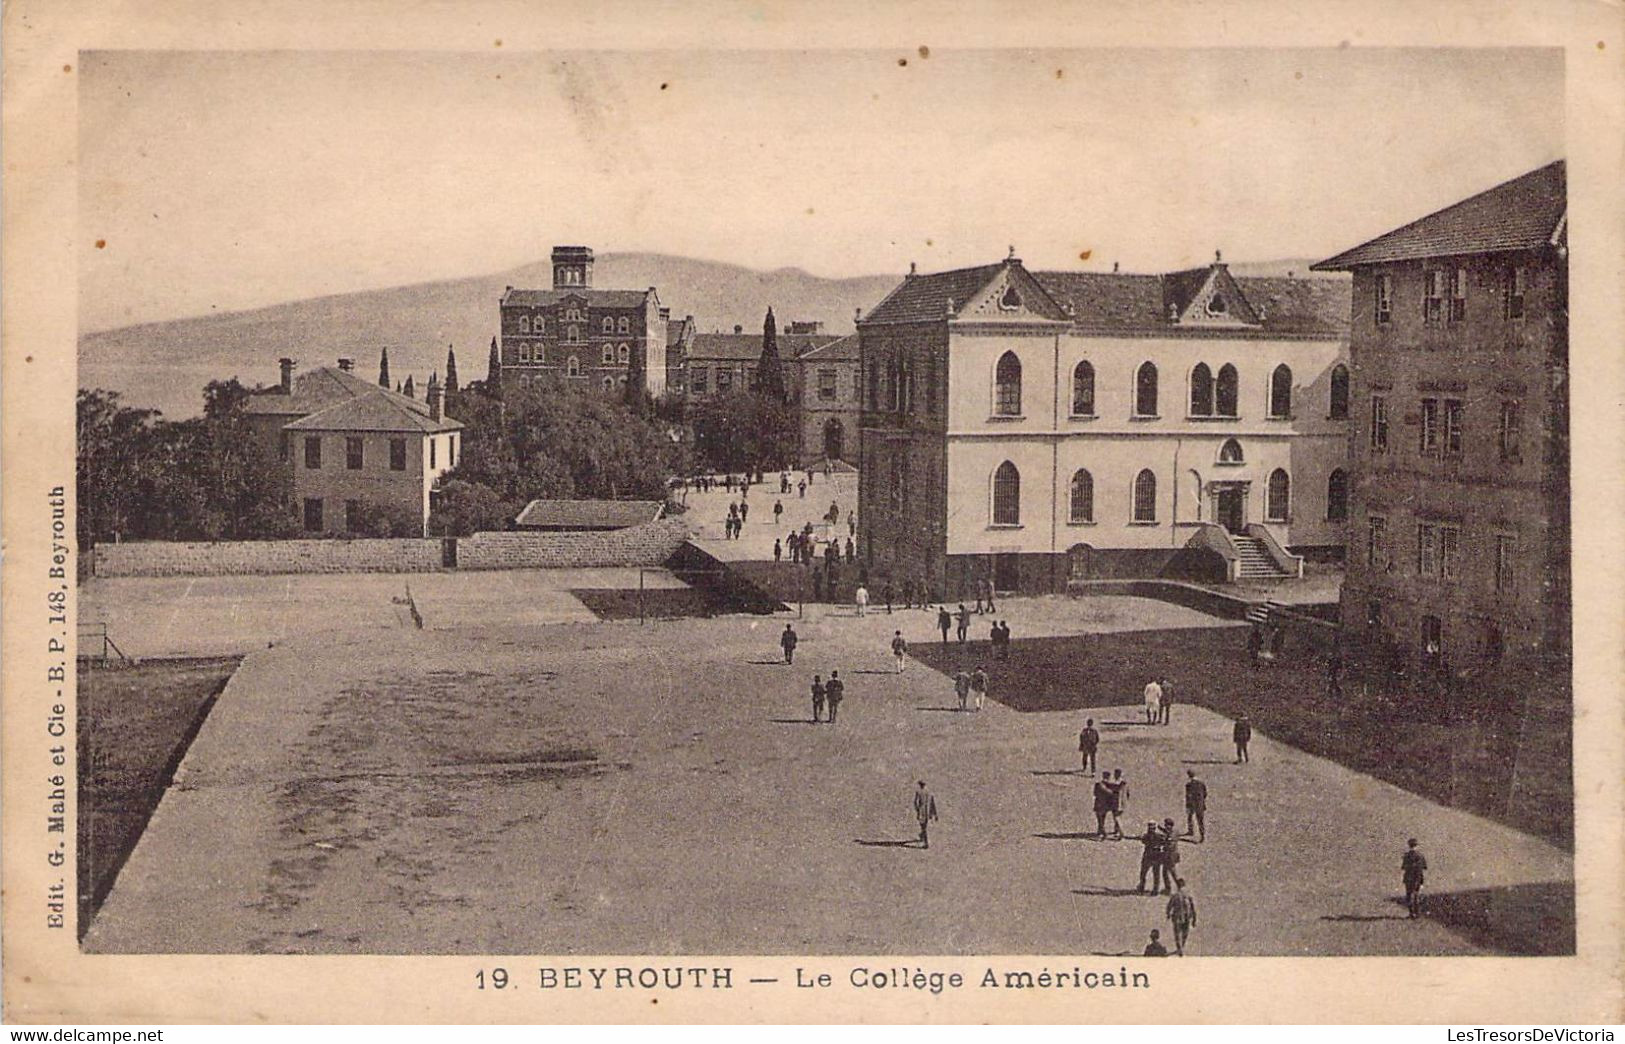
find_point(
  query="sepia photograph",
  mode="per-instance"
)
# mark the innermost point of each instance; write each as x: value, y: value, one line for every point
x: 701, y: 568
x: 1047, y: 508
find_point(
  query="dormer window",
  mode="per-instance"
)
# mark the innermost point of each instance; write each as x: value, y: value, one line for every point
x: 1215, y: 305
x: 1010, y: 300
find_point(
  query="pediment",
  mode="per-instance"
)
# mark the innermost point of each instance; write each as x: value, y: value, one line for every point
x: 1011, y: 296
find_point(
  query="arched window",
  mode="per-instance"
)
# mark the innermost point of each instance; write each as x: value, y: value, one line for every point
x: 572, y: 366
x: 1083, y: 390
x: 623, y: 325
x: 1007, y: 495
x: 573, y: 334
x: 1145, y: 391
x: 538, y: 324
x: 1230, y: 452
x: 1201, y: 391
x: 1281, y: 392
x: 608, y: 354
x: 1277, y: 502
x: 624, y: 353
x: 1007, y: 386
x: 524, y: 324
x: 1340, y: 393
x: 1226, y: 393
x: 1145, y: 496
x: 1083, y: 496
x: 609, y: 325
x: 609, y: 384
x: 1337, y: 496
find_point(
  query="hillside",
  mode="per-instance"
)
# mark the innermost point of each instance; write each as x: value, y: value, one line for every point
x: 166, y: 364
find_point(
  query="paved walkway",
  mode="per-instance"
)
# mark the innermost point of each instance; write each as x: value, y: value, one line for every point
x: 708, y: 511
x: 627, y: 789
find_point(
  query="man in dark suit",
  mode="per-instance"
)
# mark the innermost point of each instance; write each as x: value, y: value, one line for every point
x: 1195, y: 806
x: 1413, y: 867
x: 834, y: 692
x: 787, y: 642
x: 925, y: 810
x: 1242, y: 734
x: 1088, y: 744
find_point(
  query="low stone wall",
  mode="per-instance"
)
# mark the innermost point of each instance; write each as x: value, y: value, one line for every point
x: 260, y: 557
x: 650, y: 544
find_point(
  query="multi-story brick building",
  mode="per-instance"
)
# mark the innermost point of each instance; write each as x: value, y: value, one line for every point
x: 719, y: 363
x: 607, y: 339
x: 679, y: 339
x: 342, y: 442
x: 828, y: 389
x: 1039, y: 427
x: 1459, y: 549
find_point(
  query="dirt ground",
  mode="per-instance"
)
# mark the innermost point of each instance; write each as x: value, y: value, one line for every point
x: 505, y: 788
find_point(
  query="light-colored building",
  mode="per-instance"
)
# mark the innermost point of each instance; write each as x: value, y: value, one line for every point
x: 608, y: 339
x: 1034, y: 428
x: 1460, y: 551
x: 344, y: 444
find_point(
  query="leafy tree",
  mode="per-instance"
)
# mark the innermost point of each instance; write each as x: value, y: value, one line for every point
x: 465, y: 508
x: 743, y: 430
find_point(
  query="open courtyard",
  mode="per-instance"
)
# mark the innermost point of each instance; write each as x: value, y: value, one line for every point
x: 505, y: 786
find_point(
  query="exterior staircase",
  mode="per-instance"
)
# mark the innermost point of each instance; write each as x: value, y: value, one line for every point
x: 1254, y: 561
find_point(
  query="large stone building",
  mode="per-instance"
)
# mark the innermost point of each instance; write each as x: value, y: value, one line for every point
x: 1459, y: 551
x: 343, y: 443
x: 828, y: 390
x: 607, y: 339
x: 719, y: 363
x: 1038, y: 427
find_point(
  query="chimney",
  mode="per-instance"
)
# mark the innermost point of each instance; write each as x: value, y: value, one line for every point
x: 738, y: 329
x: 287, y: 375
x: 912, y: 270
x: 347, y: 365
x: 1114, y: 268
x: 434, y: 399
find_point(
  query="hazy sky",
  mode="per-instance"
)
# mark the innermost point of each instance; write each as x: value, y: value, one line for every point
x: 228, y: 180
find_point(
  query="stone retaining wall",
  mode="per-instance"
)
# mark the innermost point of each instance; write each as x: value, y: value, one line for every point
x: 650, y: 544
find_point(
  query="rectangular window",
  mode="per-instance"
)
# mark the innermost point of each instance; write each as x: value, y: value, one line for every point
x: 313, y: 451
x: 1517, y: 278
x: 1428, y: 438
x: 750, y: 377
x: 354, y: 452
x: 725, y: 379
x: 433, y: 442
x: 1427, y: 550
x: 313, y: 514
x: 352, y: 515
x: 1385, y: 297
x: 451, y: 450
x: 857, y: 385
x: 1455, y: 413
x: 700, y: 381
x: 1506, y: 553
x: 1376, y: 548
x: 285, y: 447
x: 1379, y: 424
x: 1449, y: 551
x: 1458, y: 296
x: 1510, y: 432
x: 1432, y: 295
x: 827, y: 385
x: 397, y: 454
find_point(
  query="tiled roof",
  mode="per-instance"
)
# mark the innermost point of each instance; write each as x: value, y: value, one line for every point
x: 843, y: 350
x: 926, y: 298
x: 1111, y: 301
x: 594, y: 298
x: 377, y: 411
x: 318, y: 389
x: 676, y: 328
x: 747, y: 347
x: 1522, y: 214
x: 589, y: 514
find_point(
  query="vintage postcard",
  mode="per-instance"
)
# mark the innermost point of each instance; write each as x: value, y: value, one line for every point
x: 769, y: 514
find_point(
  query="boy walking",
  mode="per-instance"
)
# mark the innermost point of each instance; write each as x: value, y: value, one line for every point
x: 787, y: 642
x: 818, y: 698
x: 899, y: 649
x: 962, y: 629
x: 925, y: 810
x: 1182, y: 914
x: 1195, y: 806
x: 962, y: 689
x: 978, y: 685
x: 1242, y: 735
x: 945, y: 620
x: 1413, y: 867
x: 833, y: 692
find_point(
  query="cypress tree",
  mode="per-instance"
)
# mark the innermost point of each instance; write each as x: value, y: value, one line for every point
x: 770, y: 371
x: 493, y: 372
x: 451, y: 371
x: 383, y: 368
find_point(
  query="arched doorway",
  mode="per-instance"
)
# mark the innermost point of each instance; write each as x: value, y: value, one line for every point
x: 834, y: 439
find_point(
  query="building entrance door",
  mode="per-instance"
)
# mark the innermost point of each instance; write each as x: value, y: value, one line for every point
x: 1006, y: 572
x: 1232, y: 509
x: 834, y: 438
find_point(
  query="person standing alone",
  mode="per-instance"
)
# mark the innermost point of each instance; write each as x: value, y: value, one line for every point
x: 1182, y: 914
x: 787, y: 642
x: 899, y: 649
x: 925, y: 810
x: 834, y: 690
x: 1242, y: 735
x: 1413, y: 868
x: 818, y: 698
x: 1166, y: 717
x: 1088, y: 744
x: 1153, y: 702
x: 1195, y: 806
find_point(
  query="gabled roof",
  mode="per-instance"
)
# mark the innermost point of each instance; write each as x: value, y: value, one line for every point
x: 843, y: 350
x: 318, y: 389
x: 929, y: 298
x: 677, y: 328
x: 594, y: 298
x: 377, y: 411
x: 589, y: 514
x: 1110, y: 302
x: 747, y: 347
x: 1526, y: 213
